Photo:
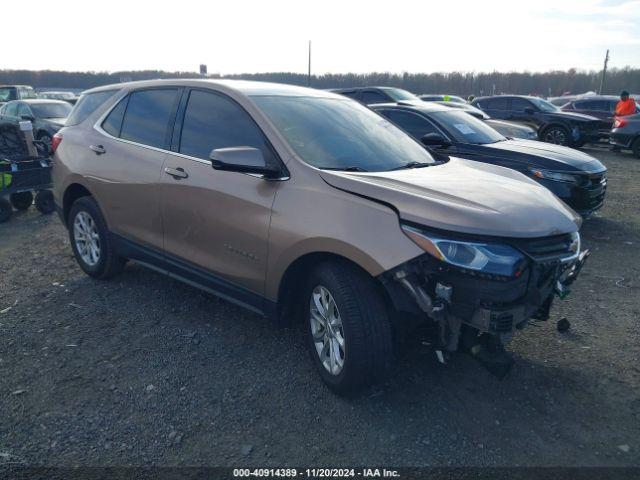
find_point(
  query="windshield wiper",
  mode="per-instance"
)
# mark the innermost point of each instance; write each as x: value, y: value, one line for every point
x: 412, y: 165
x: 351, y: 168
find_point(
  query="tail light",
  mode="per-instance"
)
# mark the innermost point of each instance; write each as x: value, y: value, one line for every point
x: 619, y: 122
x: 55, y: 142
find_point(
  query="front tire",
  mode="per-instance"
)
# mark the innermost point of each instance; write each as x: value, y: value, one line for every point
x: 348, y: 329
x: 91, y: 241
x: 557, y: 135
x: 22, y: 200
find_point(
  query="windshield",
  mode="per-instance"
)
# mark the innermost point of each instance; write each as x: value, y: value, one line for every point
x: 544, y: 105
x: 7, y: 94
x: 400, y: 95
x: 341, y: 134
x: 467, y: 129
x: 51, y: 110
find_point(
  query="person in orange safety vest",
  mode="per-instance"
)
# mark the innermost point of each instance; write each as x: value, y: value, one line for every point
x: 626, y: 105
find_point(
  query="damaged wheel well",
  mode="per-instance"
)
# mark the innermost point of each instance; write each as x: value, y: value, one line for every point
x: 293, y: 283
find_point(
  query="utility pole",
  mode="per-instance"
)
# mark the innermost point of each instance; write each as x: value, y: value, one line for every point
x: 309, y: 70
x: 604, y: 72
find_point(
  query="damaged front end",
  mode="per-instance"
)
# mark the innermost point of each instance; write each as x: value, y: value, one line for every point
x: 479, y: 291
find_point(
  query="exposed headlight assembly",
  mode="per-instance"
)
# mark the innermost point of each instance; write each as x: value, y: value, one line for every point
x: 555, y: 176
x: 490, y: 258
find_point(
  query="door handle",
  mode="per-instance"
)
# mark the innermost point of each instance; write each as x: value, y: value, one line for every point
x: 98, y: 149
x: 176, y: 173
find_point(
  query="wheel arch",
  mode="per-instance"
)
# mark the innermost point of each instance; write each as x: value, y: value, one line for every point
x: 72, y: 193
x: 292, y: 282
x: 549, y: 125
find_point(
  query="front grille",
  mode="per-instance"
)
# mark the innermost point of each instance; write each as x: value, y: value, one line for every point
x: 548, y: 248
x: 590, y: 192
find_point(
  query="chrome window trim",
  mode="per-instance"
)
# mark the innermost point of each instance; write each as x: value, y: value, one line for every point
x: 98, y: 128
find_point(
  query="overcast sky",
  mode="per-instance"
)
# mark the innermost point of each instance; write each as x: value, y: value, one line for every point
x: 244, y: 36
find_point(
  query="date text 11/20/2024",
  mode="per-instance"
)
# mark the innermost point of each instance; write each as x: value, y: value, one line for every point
x: 316, y: 472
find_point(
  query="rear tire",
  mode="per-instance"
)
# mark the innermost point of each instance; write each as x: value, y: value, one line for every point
x: 635, y: 147
x: 6, y: 210
x: 45, y: 202
x: 557, y: 135
x: 91, y: 240
x: 22, y: 200
x: 355, y: 329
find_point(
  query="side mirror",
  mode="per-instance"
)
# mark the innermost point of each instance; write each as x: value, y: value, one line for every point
x: 243, y: 160
x: 529, y: 110
x: 435, y: 140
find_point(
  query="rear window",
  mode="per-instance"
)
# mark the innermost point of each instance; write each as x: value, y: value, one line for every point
x: 88, y: 104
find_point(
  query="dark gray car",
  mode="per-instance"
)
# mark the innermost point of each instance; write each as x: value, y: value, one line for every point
x: 47, y: 116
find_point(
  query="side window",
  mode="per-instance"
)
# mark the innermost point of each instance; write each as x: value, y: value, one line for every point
x: 600, y: 106
x: 369, y: 97
x: 519, y: 104
x: 411, y: 123
x: 87, y: 104
x: 113, y: 123
x: 27, y: 92
x: 496, y: 103
x: 11, y: 109
x: 148, y: 115
x: 23, y: 109
x: 213, y: 121
x: 351, y: 94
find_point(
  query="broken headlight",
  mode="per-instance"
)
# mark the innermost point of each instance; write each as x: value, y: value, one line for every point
x: 492, y: 258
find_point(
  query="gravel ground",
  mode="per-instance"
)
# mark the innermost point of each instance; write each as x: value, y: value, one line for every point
x: 143, y: 370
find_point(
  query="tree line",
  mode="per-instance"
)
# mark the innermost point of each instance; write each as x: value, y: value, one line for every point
x: 458, y: 83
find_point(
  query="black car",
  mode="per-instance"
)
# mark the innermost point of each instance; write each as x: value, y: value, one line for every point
x: 47, y: 116
x: 602, y: 107
x: 577, y: 178
x: 626, y: 133
x: 371, y: 95
x: 552, y: 124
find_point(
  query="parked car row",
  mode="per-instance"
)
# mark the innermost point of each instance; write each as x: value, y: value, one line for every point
x: 25, y: 92
x: 575, y: 177
x: 308, y: 207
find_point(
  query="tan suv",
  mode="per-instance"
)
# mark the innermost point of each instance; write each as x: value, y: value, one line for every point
x: 305, y: 206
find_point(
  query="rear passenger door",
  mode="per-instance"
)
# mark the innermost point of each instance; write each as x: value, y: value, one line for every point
x: 216, y: 223
x: 126, y: 163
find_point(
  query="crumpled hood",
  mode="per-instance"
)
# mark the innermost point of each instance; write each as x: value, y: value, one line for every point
x: 574, y: 159
x: 466, y: 197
